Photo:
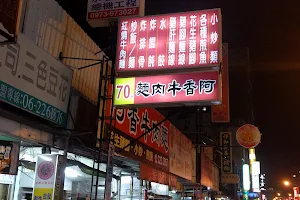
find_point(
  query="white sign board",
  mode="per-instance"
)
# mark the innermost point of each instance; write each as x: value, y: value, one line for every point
x: 255, y: 183
x: 45, y: 176
x: 33, y: 80
x: 98, y: 11
x: 255, y: 168
x: 7, y: 179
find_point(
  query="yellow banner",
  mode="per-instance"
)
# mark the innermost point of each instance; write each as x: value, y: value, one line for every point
x: 42, y: 193
x: 124, y: 91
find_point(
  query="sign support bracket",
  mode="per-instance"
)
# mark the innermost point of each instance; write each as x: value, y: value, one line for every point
x: 97, y: 61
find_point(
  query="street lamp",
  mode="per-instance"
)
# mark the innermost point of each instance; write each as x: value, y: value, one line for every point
x: 286, y: 183
x: 290, y: 195
x: 278, y: 194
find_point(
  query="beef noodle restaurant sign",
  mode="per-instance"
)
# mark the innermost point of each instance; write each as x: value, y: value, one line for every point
x: 174, y: 88
x: 174, y: 41
x: 188, y: 46
x: 152, y: 149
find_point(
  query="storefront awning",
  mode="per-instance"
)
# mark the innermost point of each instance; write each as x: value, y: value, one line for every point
x: 151, y: 195
x: 84, y: 168
x: 188, y: 184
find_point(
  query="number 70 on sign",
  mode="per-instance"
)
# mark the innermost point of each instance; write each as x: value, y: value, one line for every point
x: 124, y: 91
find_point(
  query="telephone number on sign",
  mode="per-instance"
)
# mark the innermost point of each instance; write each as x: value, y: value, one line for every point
x: 31, y: 104
x: 113, y: 13
x: 43, y: 109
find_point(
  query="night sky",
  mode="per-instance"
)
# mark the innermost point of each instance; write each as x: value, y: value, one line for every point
x: 271, y: 30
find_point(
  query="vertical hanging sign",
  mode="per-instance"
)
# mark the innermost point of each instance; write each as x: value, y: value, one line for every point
x: 225, y: 143
x: 221, y: 113
x: 45, y: 176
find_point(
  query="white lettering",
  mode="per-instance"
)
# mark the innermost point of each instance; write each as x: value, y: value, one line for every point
x: 193, y: 21
x: 192, y: 58
x: 131, y: 62
x: 214, y: 19
x: 151, y: 61
x: 124, y: 35
x: 213, y: 37
x: 163, y: 24
x: 152, y: 43
x: 141, y: 61
x: 214, y: 57
x: 203, y: 45
x: 161, y: 60
x: 152, y: 24
x: 171, y: 59
x: 181, y: 59
x: 182, y: 34
x: 182, y: 22
x: 202, y: 57
x: 172, y: 47
x: 192, y: 46
x: 133, y: 26
x: 142, y: 43
x: 203, y: 20
x: 143, y: 25
x: 132, y: 38
x: 124, y: 26
x: 182, y: 46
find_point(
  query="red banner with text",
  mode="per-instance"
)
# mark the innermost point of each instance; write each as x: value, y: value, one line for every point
x: 150, y: 174
x: 152, y: 148
x: 193, y: 87
x: 178, y: 40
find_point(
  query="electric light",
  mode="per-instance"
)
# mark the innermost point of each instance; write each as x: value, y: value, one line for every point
x: 286, y: 183
x: 71, y: 173
x: 246, y: 177
x: 278, y: 194
x: 290, y: 195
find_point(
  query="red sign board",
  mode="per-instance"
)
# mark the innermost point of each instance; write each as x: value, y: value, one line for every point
x: 153, y: 175
x: 150, y: 174
x: 220, y: 113
x: 137, y: 121
x: 139, y: 151
x: 154, y: 147
x: 173, y: 88
x: 181, y: 40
